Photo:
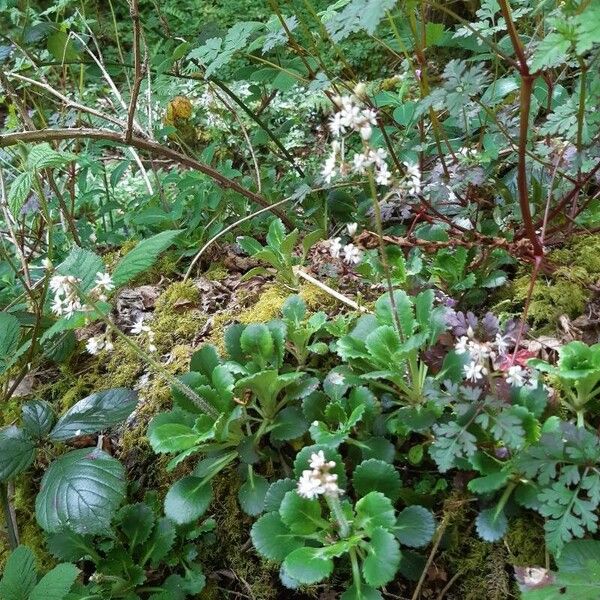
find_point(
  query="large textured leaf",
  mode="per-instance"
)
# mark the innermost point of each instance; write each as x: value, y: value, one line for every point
x: 82, y: 491
x: 16, y: 452
x: 56, y: 584
x: 307, y: 565
x: 94, y: 413
x: 42, y: 156
x: 19, y: 575
x: 143, y: 256
x: 10, y: 334
x: 37, y: 418
x: 301, y: 515
x: 68, y: 545
x: 373, y: 511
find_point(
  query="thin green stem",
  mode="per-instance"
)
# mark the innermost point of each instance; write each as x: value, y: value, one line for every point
x: 11, y: 526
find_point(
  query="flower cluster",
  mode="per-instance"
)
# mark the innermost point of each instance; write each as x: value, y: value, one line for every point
x: 351, y: 254
x: 352, y: 118
x: 492, y: 356
x: 66, y: 295
x: 139, y: 329
x: 318, y: 480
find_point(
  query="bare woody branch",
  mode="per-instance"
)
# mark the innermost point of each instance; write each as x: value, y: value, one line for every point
x: 47, y: 135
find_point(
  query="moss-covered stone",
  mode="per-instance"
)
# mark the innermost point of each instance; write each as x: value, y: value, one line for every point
x: 567, y: 290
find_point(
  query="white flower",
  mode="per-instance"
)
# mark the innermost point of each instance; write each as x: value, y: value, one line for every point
x: 383, y: 175
x: 335, y: 247
x: 317, y: 460
x: 318, y: 480
x: 352, y: 254
x: 151, y: 348
x: 309, y: 486
x: 474, y: 371
x: 57, y: 306
x: 138, y: 326
x: 94, y: 345
x: 47, y: 264
x: 516, y: 376
x: 461, y: 346
x: 352, y: 227
x: 478, y: 351
x: 328, y: 172
x: 501, y: 344
x: 335, y: 125
x: 366, y: 131
x: 104, y: 281
x: 109, y: 346
x: 360, y: 163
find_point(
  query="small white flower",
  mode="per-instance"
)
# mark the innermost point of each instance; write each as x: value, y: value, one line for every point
x: 335, y: 247
x: 151, y: 348
x: 360, y: 163
x: 383, y: 175
x: 138, y: 326
x: 335, y: 125
x: 94, y: 345
x: 109, y: 346
x: 501, y: 344
x: 366, y: 131
x: 478, y: 351
x: 461, y: 346
x: 474, y: 371
x: 516, y: 376
x: 328, y: 172
x: 47, y: 264
x: 309, y: 486
x: 352, y: 254
x: 317, y: 460
x: 352, y: 227
x: 104, y: 281
x: 57, y: 306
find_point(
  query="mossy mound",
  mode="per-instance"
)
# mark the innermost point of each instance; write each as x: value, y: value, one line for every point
x: 567, y: 290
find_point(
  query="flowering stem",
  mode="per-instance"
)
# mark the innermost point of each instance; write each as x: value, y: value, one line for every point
x: 384, y: 261
x: 355, y: 570
x: 335, y: 506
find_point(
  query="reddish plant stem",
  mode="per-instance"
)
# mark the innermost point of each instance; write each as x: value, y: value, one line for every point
x: 527, y: 79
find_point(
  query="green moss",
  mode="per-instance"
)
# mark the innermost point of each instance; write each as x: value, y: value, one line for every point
x: 566, y: 291
x: 525, y: 542
x: 216, y: 272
